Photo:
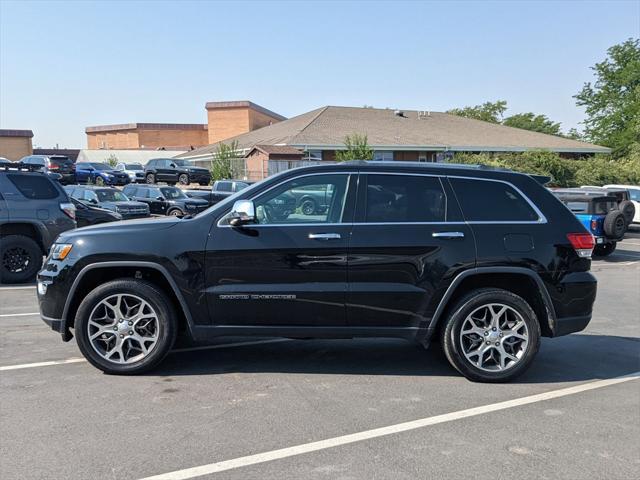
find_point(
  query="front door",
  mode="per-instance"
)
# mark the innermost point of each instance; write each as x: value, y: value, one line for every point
x: 289, y: 269
x: 408, y: 242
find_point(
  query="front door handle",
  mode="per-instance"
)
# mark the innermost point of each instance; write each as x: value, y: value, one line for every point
x: 447, y: 235
x: 324, y: 236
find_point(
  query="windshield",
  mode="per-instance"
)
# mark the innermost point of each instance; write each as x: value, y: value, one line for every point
x: 172, y: 193
x: 111, y: 196
x: 133, y: 166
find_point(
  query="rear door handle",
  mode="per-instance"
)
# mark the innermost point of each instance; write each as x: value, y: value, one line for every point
x: 324, y: 236
x: 447, y: 235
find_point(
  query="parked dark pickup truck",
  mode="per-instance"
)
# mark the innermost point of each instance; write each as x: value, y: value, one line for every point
x: 220, y: 190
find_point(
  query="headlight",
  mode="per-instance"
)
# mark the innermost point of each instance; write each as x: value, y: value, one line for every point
x: 59, y: 251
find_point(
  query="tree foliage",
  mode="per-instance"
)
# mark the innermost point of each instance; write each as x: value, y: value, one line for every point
x: 565, y: 172
x: 533, y: 122
x: 488, y: 111
x: 357, y: 148
x: 222, y: 164
x: 112, y: 160
x: 612, y: 102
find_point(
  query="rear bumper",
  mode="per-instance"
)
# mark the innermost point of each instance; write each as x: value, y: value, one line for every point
x: 573, y: 300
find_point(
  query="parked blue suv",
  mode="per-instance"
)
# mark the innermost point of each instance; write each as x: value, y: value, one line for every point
x: 600, y: 216
x: 100, y: 174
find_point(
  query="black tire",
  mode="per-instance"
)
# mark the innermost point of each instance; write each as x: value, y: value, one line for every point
x: 604, y: 249
x: 628, y: 209
x: 171, y: 184
x: 615, y: 225
x: 183, y: 179
x: 175, y: 212
x: 308, y: 206
x: 450, y: 334
x: 20, y: 259
x: 157, y: 300
x: 150, y: 178
x: 203, y: 184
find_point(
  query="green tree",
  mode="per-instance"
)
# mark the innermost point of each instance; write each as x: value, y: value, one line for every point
x: 112, y: 160
x: 531, y: 121
x: 222, y: 162
x: 488, y: 111
x: 612, y: 102
x: 357, y: 148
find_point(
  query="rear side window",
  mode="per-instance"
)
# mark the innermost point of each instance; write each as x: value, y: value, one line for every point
x: 404, y: 198
x: 224, y: 186
x: 36, y: 187
x: 489, y: 201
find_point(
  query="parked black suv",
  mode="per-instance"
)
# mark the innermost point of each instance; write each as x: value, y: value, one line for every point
x: 485, y: 260
x: 109, y: 198
x: 53, y: 164
x: 175, y: 170
x: 165, y: 200
x: 34, y: 210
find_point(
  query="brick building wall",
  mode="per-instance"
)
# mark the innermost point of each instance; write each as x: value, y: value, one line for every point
x: 151, y: 135
x: 228, y: 119
x: 15, y: 144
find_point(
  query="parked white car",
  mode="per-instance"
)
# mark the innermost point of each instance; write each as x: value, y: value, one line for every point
x: 134, y: 170
x: 634, y: 193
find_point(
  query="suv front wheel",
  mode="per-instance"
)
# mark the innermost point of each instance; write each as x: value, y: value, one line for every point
x: 492, y: 335
x: 125, y: 326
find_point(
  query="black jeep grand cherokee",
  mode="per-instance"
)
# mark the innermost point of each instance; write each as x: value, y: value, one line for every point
x: 486, y: 260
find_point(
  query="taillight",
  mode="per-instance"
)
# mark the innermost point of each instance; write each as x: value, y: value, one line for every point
x: 594, y: 225
x: 582, y: 243
x: 54, y: 167
x: 69, y: 210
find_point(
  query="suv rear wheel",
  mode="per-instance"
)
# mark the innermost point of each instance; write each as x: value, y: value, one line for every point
x: 125, y: 326
x: 20, y: 259
x: 183, y: 179
x: 492, y: 336
x: 150, y: 178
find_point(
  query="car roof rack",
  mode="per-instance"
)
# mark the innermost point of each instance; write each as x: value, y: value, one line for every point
x: 18, y: 166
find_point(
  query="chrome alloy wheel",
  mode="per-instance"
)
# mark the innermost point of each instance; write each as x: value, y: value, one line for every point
x: 123, y: 328
x: 494, y: 337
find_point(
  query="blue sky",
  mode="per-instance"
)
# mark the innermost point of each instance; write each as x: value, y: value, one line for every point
x: 67, y: 65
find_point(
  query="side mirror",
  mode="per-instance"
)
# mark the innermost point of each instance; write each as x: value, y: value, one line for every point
x: 242, y: 213
x: 161, y: 198
x: 90, y: 169
x: 173, y: 165
x: 94, y: 201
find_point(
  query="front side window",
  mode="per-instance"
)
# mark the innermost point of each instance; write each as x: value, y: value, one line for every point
x: 312, y: 199
x: 89, y: 196
x: 490, y: 201
x: 404, y: 199
x: 223, y: 186
x: 172, y: 193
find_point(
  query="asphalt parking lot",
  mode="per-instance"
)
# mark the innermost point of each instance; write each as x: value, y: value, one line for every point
x: 341, y: 409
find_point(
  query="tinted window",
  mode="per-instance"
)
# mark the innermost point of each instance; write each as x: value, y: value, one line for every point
x: 311, y: 199
x: 129, y: 190
x: 35, y: 187
x: 404, y: 198
x: 635, y: 194
x: 172, y: 193
x: 223, y: 186
x: 89, y: 196
x: 60, y: 161
x: 489, y: 201
x: 111, y: 196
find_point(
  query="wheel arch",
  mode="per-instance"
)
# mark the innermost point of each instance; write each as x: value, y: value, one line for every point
x: 522, y: 281
x: 95, y: 274
x: 33, y: 230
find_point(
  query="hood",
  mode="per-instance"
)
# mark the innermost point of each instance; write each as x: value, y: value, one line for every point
x: 128, y: 204
x: 128, y: 227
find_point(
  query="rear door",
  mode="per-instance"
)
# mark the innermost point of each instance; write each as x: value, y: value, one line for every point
x: 408, y: 242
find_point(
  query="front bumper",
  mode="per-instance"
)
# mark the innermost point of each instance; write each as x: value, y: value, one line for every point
x: 200, y: 178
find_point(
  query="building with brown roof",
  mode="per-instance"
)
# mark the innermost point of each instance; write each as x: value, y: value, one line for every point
x: 408, y: 135
x: 15, y: 144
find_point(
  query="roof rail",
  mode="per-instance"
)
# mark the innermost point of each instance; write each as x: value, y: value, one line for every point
x: 20, y: 167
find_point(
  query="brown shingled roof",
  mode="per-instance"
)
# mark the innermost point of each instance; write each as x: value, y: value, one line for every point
x: 326, y: 128
x: 277, y: 149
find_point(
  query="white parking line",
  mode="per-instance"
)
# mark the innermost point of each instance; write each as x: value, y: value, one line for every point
x: 179, y: 350
x: 19, y: 288
x: 18, y: 314
x: 381, y: 432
